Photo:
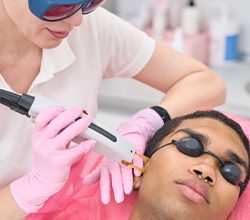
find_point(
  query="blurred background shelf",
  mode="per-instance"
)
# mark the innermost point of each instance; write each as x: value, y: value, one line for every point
x: 120, y: 98
x: 237, y: 79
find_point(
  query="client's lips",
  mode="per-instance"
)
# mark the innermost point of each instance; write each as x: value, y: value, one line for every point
x: 194, y: 191
x: 59, y: 34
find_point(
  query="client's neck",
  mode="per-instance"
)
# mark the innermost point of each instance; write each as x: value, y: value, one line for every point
x: 142, y: 211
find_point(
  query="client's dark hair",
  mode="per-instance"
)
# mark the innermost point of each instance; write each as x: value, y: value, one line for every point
x: 171, y: 125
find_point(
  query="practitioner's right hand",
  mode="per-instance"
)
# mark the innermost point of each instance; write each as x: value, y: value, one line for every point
x: 52, y: 159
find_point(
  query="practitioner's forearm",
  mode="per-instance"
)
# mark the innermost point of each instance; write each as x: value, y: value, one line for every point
x: 8, y: 206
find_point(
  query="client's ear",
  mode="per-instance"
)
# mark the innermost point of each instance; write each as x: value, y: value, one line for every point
x: 137, y: 183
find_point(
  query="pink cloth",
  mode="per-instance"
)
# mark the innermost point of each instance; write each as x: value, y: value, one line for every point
x: 76, y: 201
x: 242, y: 209
x: 83, y: 202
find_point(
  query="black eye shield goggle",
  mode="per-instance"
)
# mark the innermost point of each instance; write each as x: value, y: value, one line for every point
x: 194, y: 148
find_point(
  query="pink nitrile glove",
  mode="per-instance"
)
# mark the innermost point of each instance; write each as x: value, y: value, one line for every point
x: 52, y: 159
x: 138, y: 130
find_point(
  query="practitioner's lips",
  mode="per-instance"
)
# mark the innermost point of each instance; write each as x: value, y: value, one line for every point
x: 59, y: 34
x: 194, y: 191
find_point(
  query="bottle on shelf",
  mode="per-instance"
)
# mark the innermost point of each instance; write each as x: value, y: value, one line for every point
x: 190, y: 19
x: 178, y: 42
x: 159, y: 21
x: 224, y: 37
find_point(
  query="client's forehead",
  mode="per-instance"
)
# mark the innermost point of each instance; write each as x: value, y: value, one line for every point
x: 218, y: 134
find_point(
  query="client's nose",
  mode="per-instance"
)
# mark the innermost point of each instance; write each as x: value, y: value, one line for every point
x: 204, y: 173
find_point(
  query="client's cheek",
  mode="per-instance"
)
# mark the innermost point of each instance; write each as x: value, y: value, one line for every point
x: 224, y: 201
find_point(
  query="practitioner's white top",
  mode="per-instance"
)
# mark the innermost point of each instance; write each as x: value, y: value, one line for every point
x: 103, y: 46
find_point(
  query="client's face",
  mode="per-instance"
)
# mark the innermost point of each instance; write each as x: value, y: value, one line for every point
x: 177, y: 186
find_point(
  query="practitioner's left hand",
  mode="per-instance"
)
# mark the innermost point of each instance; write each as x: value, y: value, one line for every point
x: 138, y: 130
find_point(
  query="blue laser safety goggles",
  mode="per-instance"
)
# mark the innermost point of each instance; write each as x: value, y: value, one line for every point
x: 193, y: 148
x: 56, y: 10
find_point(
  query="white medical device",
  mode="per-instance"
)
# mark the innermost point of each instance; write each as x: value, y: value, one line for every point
x: 109, y: 143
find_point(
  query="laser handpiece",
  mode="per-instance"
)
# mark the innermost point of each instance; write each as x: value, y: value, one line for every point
x: 110, y: 143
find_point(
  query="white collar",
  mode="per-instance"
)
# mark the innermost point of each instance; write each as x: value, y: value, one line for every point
x: 53, y: 61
